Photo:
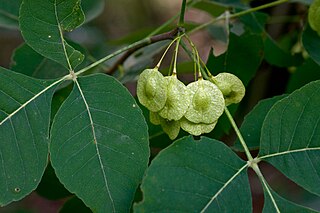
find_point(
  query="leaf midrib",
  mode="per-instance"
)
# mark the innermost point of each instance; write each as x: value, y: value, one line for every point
x: 96, y: 144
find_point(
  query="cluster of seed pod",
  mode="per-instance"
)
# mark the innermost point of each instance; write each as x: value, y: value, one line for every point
x: 195, y: 108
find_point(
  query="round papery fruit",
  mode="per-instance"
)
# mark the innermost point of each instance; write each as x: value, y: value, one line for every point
x: 178, y: 99
x: 154, y: 118
x: 207, y: 102
x: 152, y: 89
x: 231, y: 87
x: 196, y: 128
x: 171, y: 128
x: 314, y: 15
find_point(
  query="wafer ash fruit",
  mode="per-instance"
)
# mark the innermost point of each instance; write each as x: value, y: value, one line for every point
x: 196, y: 107
x: 207, y: 102
x: 152, y: 89
x: 178, y: 99
x: 231, y: 87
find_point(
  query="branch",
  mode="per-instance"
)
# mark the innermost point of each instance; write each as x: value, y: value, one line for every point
x: 153, y: 39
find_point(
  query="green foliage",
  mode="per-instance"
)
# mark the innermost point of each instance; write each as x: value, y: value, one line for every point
x: 179, y: 181
x: 24, y: 133
x: 252, y: 124
x: 99, y: 143
x: 43, y: 29
x: 69, y: 133
x: 290, y: 136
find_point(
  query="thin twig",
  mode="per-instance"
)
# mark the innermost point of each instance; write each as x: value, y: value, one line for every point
x: 170, y: 35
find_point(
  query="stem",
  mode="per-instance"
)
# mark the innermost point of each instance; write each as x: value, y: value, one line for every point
x: 131, y: 48
x: 197, y: 58
x: 165, y: 52
x: 163, y: 26
x: 167, y: 23
x: 174, y: 72
x: 238, y: 14
x: 153, y: 39
x: 182, y: 12
x: 243, y: 143
x: 256, y: 168
x: 143, y: 41
x: 184, y: 46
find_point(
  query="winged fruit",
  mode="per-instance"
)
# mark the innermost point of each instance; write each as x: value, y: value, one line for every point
x: 152, y: 89
x: 207, y: 102
x: 231, y: 87
x: 178, y: 99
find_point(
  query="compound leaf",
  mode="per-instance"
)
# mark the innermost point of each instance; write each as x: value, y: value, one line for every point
x: 99, y: 146
x: 290, y: 137
x: 42, y: 23
x: 196, y: 176
x: 25, y: 105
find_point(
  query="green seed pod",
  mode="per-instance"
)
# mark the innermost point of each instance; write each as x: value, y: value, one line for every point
x: 314, y: 15
x: 152, y: 89
x: 171, y: 128
x: 207, y: 102
x: 154, y: 118
x: 196, y: 128
x: 231, y: 86
x: 178, y: 99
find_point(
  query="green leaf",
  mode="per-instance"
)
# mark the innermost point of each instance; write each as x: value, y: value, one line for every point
x: 311, y: 42
x: 254, y: 22
x: 290, y: 137
x: 274, y: 202
x: 9, y: 12
x: 252, y: 124
x: 74, y: 205
x: 27, y: 61
x: 307, y: 72
x: 241, y: 50
x: 42, y: 23
x: 24, y: 133
x: 99, y: 146
x: 196, y: 176
x: 235, y: 60
x: 276, y: 56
